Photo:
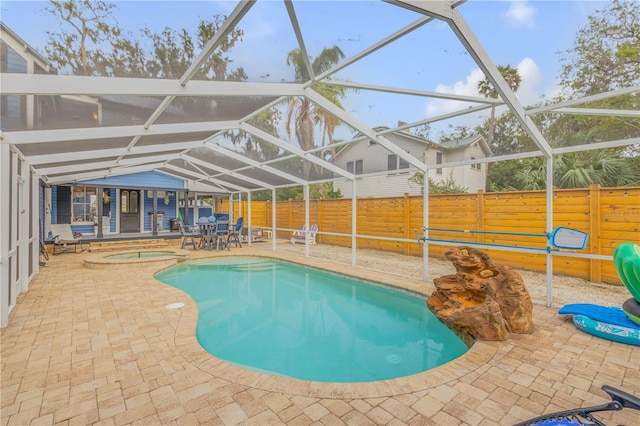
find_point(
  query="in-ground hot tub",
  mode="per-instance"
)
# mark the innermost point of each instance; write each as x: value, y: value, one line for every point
x: 164, y: 257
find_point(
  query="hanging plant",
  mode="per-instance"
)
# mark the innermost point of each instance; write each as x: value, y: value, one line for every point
x: 106, y: 198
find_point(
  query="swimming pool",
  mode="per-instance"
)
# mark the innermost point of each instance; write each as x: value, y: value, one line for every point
x: 140, y: 255
x: 288, y: 320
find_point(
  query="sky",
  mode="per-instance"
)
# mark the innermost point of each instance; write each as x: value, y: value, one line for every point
x: 527, y: 35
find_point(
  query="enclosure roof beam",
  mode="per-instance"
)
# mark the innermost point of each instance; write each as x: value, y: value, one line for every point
x: 78, y: 166
x: 445, y: 11
x: 224, y: 171
x: 115, y: 171
x: 45, y: 84
x: 254, y: 163
x: 87, y: 133
x: 295, y: 150
x: 111, y: 152
x: 175, y: 175
x: 423, y: 93
x: 209, y: 178
x: 199, y: 176
x: 353, y: 122
x: 296, y: 29
x: 377, y: 46
x: 585, y: 99
x: 597, y: 145
x: 596, y: 111
x: 227, y: 26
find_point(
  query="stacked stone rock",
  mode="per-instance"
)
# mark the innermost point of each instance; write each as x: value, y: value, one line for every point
x: 482, y: 300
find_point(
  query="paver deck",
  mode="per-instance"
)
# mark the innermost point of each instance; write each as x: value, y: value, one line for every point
x: 87, y: 346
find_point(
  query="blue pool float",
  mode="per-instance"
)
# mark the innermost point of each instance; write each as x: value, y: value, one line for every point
x: 607, y: 322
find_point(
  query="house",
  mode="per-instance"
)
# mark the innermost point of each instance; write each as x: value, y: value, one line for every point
x: 374, y: 162
x: 16, y: 56
x: 125, y: 202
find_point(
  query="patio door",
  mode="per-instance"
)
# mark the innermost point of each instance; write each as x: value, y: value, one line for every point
x: 129, y: 210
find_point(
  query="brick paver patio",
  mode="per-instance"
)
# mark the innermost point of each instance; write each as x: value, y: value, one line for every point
x: 87, y: 346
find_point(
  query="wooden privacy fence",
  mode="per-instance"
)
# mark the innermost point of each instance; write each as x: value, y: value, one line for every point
x: 609, y: 216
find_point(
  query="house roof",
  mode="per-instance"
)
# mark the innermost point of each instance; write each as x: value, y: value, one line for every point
x: 210, y: 131
x: 41, y: 60
x: 466, y: 142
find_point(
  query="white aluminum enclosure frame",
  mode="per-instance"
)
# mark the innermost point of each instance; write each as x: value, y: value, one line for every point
x: 65, y: 165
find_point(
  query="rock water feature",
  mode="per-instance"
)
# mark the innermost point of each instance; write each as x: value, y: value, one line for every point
x: 482, y: 300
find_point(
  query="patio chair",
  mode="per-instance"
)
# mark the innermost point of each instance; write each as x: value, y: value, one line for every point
x: 235, y: 232
x: 222, y: 235
x: 302, y: 235
x: 584, y: 416
x: 189, y: 235
x: 64, y: 238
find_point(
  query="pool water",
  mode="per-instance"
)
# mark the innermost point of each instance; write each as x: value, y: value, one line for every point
x: 140, y: 255
x: 288, y: 320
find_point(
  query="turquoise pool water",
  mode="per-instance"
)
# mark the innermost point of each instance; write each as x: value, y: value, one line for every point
x: 284, y: 319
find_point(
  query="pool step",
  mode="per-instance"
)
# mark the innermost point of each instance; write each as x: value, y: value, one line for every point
x: 106, y: 246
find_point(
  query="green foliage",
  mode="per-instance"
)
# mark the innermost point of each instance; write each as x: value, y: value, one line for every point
x: 510, y: 75
x: 486, y: 88
x: 254, y: 147
x: 323, y: 190
x: 316, y: 191
x: 580, y: 169
x: 77, y: 47
x: 605, y: 54
x: 304, y: 115
x: 90, y: 42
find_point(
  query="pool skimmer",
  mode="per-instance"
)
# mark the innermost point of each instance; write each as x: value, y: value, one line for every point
x: 174, y: 305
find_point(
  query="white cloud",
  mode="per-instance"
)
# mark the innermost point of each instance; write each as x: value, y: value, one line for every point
x: 520, y: 14
x: 530, y: 76
x: 467, y: 87
x: 528, y: 93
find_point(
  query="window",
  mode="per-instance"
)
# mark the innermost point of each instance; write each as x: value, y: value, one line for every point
x: 396, y: 163
x: 83, y: 204
x: 439, y: 161
x: 129, y: 201
x: 392, y: 162
x: 476, y: 166
x: 358, y: 167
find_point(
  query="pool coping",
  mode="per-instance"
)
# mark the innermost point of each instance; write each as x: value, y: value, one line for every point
x: 101, y: 261
x: 186, y: 343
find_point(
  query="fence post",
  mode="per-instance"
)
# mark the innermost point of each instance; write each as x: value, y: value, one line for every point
x: 407, y: 221
x: 319, y: 203
x: 480, y: 215
x: 595, y: 265
x: 290, y: 213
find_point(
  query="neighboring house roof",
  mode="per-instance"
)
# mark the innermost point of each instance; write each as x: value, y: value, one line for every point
x: 466, y: 142
x: 448, y: 145
x: 390, y: 136
x: 41, y: 60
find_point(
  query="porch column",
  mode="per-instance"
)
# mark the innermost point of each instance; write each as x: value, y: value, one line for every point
x: 100, y: 211
x: 186, y: 208
x: 154, y: 216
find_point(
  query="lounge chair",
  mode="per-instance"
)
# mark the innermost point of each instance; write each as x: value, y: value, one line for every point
x: 302, y: 234
x: 235, y: 232
x: 64, y: 238
x: 189, y: 235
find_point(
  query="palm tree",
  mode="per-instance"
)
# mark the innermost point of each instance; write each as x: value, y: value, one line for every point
x: 303, y: 113
x: 580, y: 169
x: 513, y: 79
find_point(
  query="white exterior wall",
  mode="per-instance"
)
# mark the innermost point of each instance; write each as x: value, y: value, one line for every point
x: 380, y: 186
x: 374, y: 161
x: 375, y: 156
